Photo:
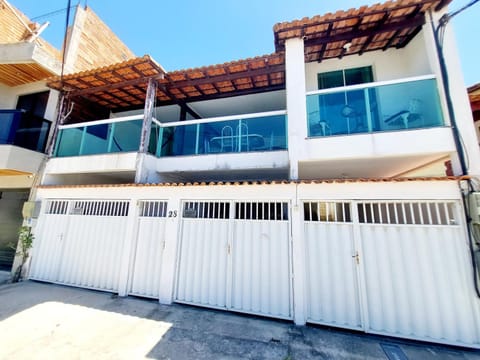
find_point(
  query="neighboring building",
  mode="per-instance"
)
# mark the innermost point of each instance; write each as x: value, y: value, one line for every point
x: 474, y: 96
x: 28, y: 106
x: 309, y: 184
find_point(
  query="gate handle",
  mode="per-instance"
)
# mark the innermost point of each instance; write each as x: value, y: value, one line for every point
x: 357, y: 257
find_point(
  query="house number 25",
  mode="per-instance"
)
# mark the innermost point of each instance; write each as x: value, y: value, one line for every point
x: 172, y: 213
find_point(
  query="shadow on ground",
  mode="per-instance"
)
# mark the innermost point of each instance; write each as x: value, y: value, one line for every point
x: 53, y: 321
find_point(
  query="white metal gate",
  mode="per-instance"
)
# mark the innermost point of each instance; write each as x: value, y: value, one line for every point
x: 149, y: 248
x: 86, y: 249
x: 236, y: 256
x: 48, y: 244
x: 405, y: 266
x: 331, y: 277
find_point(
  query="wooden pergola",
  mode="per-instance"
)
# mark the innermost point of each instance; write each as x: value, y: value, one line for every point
x: 123, y: 86
x: 392, y: 24
x: 474, y: 96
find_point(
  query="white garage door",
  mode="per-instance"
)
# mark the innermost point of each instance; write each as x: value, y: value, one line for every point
x: 149, y: 248
x: 235, y: 255
x: 86, y: 248
x: 331, y: 273
x: 405, y: 261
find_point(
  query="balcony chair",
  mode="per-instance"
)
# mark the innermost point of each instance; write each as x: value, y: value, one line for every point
x: 318, y: 127
x: 349, y: 112
x: 226, y: 140
x: 405, y: 117
x: 241, y: 133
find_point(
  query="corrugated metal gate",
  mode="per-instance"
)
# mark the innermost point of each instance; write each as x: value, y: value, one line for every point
x: 235, y: 255
x: 81, y: 243
x: 391, y: 267
x: 150, y: 244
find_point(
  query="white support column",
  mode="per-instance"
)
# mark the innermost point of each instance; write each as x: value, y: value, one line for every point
x: 298, y: 256
x: 169, y: 256
x: 141, y: 170
x: 128, y: 245
x: 296, y: 101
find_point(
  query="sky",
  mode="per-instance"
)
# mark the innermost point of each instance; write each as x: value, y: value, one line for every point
x: 181, y: 34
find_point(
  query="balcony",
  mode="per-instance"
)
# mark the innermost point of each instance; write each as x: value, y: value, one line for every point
x: 375, y: 129
x: 22, y: 142
x: 374, y: 107
x: 99, y: 137
x: 21, y: 129
x: 98, y: 151
x: 230, y: 134
x: 223, y: 147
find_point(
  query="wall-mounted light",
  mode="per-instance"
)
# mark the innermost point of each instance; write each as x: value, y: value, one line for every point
x: 347, y: 46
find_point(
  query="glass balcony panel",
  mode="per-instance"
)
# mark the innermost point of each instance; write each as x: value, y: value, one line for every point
x: 23, y: 129
x: 408, y: 105
x: 114, y: 137
x: 126, y: 136
x: 262, y: 133
x: 95, y: 139
x: 9, y: 122
x: 69, y: 141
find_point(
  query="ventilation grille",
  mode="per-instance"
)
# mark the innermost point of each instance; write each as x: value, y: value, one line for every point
x: 261, y: 211
x: 327, y: 211
x: 57, y: 207
x: 153, y: 208
x: 408, y: 213
x: 100, y: 208
x: 206, y: 210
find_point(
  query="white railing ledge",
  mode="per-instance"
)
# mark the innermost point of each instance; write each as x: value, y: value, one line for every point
x: 103, y: 121
x: 371, y: 85
x: 175, y: 123
x: 221, y: 118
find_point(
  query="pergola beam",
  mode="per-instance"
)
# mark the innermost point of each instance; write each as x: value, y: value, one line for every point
x: 348, y: 34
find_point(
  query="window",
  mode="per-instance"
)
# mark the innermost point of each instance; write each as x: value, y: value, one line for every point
x: 346, y: 77
x: 343, y: 112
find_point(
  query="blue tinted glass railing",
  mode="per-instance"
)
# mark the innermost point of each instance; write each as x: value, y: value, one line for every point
x: 103, y: 138
x: 247, y: 133
x: 411, y: 104
x: 23, y: 129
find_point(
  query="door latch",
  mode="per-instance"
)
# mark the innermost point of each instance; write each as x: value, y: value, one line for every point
x: 357, y: 257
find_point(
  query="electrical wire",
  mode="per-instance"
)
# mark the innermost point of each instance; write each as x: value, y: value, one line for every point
x: 471, y: 233
x: 439, y: 34
x: 67, y: 22
x: 51, y: 14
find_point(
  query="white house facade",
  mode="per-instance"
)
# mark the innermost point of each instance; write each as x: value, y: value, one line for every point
x: 321, y: 184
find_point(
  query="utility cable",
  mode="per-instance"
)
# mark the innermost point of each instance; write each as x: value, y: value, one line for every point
x: 439, y: 35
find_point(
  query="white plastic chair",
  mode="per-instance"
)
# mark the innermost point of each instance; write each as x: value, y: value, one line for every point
x: 241, y: 133
x: 226, y: 140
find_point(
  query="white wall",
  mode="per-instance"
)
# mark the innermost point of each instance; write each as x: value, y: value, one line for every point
x: 460, y: 101
x: 6, y: 97
x: 237, y: 105
x: 387, y: 65
x: 434, y: 190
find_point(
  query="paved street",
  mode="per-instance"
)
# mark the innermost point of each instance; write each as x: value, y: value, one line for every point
x: 44, y: 321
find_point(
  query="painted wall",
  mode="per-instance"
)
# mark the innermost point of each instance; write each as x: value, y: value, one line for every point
x: 460, y: 100
x: 248, y: 104
x: 387, y: 65
x: 11, y: 203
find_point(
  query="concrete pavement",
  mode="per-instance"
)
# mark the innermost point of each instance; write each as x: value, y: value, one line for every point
x: 45, y: 321
x: 4, y: 277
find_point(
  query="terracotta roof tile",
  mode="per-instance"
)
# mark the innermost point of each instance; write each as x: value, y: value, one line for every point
x: 264, y: 182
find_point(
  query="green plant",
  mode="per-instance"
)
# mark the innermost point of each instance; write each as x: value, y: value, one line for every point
x: 25, y: 239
